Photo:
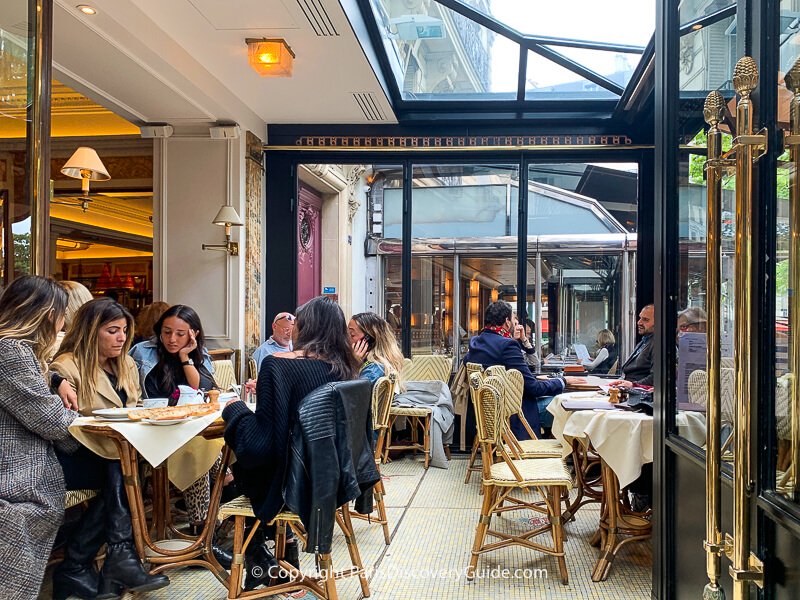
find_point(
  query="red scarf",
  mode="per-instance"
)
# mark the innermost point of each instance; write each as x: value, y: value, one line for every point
x: 498, y: 329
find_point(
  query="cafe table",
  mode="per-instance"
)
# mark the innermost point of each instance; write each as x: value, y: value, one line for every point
x: 623, y: 440
x: 180, y: 453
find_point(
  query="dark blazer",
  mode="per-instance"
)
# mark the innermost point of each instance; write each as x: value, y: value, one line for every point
x: 639, y: 366
x: 490, y: 348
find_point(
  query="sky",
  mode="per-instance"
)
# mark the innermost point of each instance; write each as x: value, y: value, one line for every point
x: 621, y: 21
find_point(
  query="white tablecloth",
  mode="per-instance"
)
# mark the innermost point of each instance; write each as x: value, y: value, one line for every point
x: 623, y: 439
x: 692, y: 426
x: 189, y: 456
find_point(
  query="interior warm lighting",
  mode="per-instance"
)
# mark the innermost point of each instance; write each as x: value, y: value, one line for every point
x: 270, y: 57
x: 495, y: 295
x: 86, y: 9
x: 226, y: 217
x: 85, y: 165
x: 474, y: 305
x: 697, y: 27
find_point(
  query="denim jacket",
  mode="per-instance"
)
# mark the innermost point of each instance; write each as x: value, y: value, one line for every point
x: 145, y: 355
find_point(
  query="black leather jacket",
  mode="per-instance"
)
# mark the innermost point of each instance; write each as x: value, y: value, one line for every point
x: 331, y: 460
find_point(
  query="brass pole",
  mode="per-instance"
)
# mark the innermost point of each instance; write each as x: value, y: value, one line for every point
x: 712, y: 112
x: 793, y: 83
x: 745, y: 80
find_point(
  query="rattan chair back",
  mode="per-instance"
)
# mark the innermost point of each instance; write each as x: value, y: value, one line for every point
x: 428, y: 367
x: 382, y: 396
x: 224, y: 374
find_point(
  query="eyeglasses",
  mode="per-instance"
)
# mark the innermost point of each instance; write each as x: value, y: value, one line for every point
x: 685, y: 326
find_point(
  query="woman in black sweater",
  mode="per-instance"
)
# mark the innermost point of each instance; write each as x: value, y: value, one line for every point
x: 322, y: 354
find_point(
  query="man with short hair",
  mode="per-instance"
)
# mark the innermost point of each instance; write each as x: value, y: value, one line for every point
x: 280, y: 340
x: 639, y: 366
x: 499, y: 344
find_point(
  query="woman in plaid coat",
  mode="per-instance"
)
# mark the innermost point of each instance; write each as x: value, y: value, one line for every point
x: 32, y: 421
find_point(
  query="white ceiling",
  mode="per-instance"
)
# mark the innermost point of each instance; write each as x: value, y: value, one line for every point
x: 184, y: 62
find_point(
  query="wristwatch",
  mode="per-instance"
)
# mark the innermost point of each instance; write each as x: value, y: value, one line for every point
x: 188, y: 362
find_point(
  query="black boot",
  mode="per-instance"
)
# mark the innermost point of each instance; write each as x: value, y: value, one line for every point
x: 77, y: 576
x: 123, y: 567
x: 224, y: 558
x: 260, y: 563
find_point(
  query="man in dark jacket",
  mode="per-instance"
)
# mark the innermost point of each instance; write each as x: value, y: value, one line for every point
x: 639, y: 366
x: 499, y: 344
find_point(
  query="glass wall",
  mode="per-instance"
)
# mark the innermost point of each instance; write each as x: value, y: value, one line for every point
x: 15, y: 71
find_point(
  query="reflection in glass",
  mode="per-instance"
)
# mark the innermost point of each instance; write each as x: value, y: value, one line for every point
x: 785, y: 405
x: 432, y: 306
x: 545, y: 79
x: 15, y: 221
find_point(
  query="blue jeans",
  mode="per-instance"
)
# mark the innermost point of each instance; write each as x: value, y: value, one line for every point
x: 545, y: 418
x: 536, y: 414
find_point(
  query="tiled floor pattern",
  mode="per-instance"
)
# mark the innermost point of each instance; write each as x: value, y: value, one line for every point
x: 432, y: 518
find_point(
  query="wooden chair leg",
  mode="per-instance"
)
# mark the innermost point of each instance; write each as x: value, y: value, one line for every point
x: 380, y: 492
x: 480, y: 531
x: 473, y: 456
x: 388, y: 439
x: 557, y: 531
x: 426, y: 440
x: 237, y: 566
x: 328, y: 581
x: 346, y: 525
x: 414, y: 421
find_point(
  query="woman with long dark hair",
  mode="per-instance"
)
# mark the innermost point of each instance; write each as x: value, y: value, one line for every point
x: 32, y: 422
x: 177, y: 356
x: 94, y: 359
x: 322, y: 354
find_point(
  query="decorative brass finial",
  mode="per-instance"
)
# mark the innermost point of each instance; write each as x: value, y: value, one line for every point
x: 713, y: 108
x: 745, y: 76
x: 792, y: 78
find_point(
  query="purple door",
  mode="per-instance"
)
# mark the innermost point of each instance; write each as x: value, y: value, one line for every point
x: 309, y: 245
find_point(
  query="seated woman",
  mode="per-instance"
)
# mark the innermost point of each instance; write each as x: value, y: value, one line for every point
x: 32, y: 421
x: 260, y: 439
x: 177, y: 356
x: 93, y: 359
x: 606, y: 356
x: 375, y: 345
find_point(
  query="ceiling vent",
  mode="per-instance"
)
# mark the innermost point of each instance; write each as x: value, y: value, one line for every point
x: 369, y: 106
x: 318, y: 17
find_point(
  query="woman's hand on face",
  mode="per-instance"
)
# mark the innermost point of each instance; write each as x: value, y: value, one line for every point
x: 190, y: 346
x: 361, y: 348
x: 67, y: 395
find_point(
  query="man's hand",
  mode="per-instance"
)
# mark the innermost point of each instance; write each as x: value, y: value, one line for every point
x: 573, y: 381
x: 621, y: 383
x: 68, y: 395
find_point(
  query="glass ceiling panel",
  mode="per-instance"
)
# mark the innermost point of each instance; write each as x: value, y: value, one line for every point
x: 545, y: 80
x: 438, y: 54
x: 630, y: 22
x: 617, y: 67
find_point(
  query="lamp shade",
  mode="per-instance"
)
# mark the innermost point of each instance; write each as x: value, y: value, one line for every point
x: 85, y: 164
x: 270, y: 57
x: 227, y: 215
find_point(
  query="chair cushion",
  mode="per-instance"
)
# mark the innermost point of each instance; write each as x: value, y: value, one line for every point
x: 534, y: 471
x: 539, y: 448
x: 237, y: 507
x: 409, y: 411
x: 75, y: 497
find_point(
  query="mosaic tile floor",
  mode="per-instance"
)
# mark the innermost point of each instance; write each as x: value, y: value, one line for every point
x: 432, y: 517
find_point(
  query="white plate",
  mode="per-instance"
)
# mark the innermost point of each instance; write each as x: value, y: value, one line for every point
x: 166, y: 421
x: 111, y: 414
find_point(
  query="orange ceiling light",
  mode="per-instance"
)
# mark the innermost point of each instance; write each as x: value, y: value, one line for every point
x: 270, y: 57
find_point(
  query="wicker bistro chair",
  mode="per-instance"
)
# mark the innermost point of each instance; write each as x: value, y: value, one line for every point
x: 382, y: 396
x: 224, y: 374
x: 323, y: 586
x: 252, y: 369
x: 473, y: 369
x: 432, y: 367
x: 509, y: 475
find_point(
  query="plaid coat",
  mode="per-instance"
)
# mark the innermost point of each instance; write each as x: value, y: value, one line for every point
x: 31, y: 480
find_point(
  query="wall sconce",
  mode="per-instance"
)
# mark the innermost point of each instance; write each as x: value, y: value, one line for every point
x: 227, y: 217
x: 85, y: 165
x: 474, y: 305
x: 270, y: 57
